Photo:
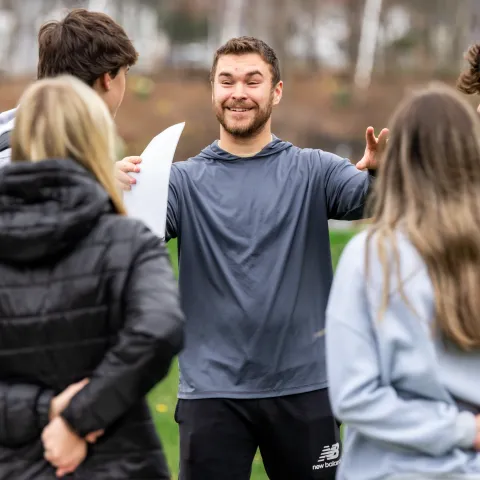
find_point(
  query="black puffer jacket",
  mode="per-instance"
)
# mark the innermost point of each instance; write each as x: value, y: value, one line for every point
x: 83, y: 293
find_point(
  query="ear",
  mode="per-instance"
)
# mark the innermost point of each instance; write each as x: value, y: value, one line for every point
x: 277, y: 93
x: 103, y: 83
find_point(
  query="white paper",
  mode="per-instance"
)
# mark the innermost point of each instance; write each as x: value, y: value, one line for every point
x: 147, y: 200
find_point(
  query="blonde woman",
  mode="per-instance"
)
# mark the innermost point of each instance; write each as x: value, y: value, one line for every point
x: 403, y: 319
x: 85, y: 293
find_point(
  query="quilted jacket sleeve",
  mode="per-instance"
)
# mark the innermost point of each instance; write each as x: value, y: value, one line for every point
x: 151, y: 337
x: 23, y: 413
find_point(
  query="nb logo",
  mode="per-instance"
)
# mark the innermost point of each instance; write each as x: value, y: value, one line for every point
x: 330, y: 453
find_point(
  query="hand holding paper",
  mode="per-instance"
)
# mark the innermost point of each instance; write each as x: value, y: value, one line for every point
x: 147, y: 200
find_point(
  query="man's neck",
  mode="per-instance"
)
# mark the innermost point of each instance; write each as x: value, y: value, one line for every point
x: 244, y: 147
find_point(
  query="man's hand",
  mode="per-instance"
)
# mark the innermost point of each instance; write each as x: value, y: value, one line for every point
x: 123, y: 168
x: 63, y: 448
x: 375, y: 147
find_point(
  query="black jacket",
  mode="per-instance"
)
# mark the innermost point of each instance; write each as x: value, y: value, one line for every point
x: 84, y: 292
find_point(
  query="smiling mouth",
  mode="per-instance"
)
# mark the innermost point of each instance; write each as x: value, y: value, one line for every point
x: 239, y: 109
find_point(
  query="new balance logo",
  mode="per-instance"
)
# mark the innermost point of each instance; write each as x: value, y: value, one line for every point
x: 330, y: 453
x: 328, y: 457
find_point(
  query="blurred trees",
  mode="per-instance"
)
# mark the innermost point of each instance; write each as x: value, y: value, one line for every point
x: 427, y: 37
x: 439, y: 34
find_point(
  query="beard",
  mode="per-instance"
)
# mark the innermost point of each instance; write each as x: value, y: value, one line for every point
x: 245, y: 129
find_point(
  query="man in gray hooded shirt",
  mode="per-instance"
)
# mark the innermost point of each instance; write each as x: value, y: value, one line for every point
x: 251, y: 216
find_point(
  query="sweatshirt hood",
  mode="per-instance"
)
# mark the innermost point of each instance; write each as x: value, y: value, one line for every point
x: 46, y: 208
x: 213, y: 151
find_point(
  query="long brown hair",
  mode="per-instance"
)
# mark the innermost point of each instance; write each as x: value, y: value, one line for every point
x: 64, y: 118
x: 428, y: 187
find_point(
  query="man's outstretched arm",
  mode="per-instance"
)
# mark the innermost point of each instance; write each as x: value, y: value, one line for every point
x: 346, y: 185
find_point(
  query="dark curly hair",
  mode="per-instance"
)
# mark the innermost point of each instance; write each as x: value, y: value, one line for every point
x: 469, y: 80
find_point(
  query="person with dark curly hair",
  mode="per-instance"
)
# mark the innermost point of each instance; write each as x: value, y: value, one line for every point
x: 469, y: 80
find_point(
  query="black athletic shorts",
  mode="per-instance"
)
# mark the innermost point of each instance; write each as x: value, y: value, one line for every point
x: 298, y: 437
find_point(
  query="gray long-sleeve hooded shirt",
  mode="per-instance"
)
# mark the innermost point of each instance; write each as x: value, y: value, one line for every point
x: 255, y: 266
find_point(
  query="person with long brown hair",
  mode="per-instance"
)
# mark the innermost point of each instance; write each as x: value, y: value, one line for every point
x: 403, y: 318
x: 88, y: 300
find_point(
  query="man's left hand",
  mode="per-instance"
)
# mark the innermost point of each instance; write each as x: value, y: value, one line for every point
x: 374, y: 149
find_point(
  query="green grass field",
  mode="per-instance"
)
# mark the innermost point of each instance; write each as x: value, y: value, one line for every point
x: 163, y: 397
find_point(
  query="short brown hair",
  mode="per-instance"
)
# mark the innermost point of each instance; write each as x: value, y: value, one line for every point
x: 469, y: 80
x: 244, y: 45
x: 84, y: 44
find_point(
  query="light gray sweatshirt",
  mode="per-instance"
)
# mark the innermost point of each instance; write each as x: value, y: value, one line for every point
x: 7, y: 120
x: 393, y: 382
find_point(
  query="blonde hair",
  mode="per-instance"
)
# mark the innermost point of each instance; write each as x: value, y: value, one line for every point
x: 428, y: 187
x: 64, y: 118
